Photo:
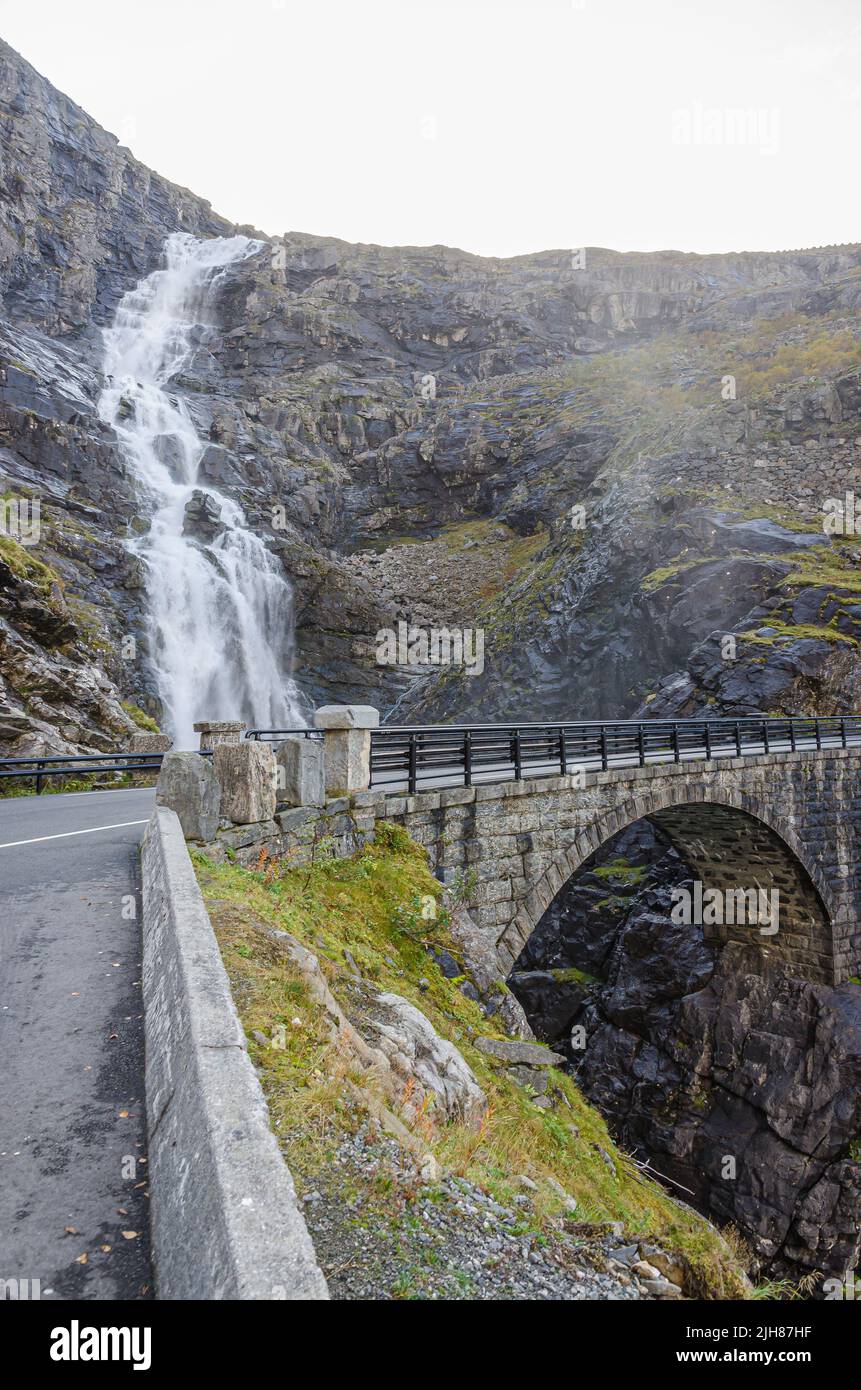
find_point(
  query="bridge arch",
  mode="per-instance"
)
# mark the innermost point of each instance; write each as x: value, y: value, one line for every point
x: 731, y: 839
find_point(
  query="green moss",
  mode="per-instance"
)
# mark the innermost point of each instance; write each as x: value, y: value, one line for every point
x: 574, y: 976
x: 656, y: 579
x: 834, y: 566
x: 803, y: 523
x: 24, y: 565
x: 143, y: 720
x: 622, y: 871
x: 795, y: 632
x: 374, y: 907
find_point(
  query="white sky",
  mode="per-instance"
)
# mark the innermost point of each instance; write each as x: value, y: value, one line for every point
x: 500, y: 126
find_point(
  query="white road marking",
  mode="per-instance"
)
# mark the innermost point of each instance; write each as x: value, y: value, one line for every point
x: 101, y: 791
x: 121, y: 825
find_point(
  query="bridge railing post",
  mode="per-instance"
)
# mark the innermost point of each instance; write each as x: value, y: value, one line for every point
x: 792, y: 734
x: 707, y: 728
x: 843, y: 732
x: 818, y: 728
x: 641, y: 747
x: 604, y: 761
x: 765, y: 743
x: 412, y: 763
x: 676, y: 752
x: 347, y: 746
x: 467, y: 758
x: 219, y: 733
x: 563, y: 758
x: 518, y: 769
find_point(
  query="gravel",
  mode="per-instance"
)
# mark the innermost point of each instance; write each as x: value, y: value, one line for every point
x: 381, y: 1233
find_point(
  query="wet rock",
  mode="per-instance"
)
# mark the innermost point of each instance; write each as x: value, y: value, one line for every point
x: 202, y: 516
x: 550, y: 1000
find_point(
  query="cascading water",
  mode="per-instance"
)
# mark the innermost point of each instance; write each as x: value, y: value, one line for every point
x: 220, y: 610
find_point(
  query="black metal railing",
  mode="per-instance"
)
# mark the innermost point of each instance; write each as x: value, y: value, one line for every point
x: 452, y: 755
x: 84, y: 765
x: 42, y: 770
x: 276, y: 735
x: 459, y: 755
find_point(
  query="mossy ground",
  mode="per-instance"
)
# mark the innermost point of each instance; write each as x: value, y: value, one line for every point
x: 24, y: 565
x: 796, y: 632
x: 370, y: 908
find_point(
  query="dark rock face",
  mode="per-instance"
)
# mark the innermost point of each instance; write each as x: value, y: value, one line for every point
x: 738, y: 1083
x: 370, y: 407
x: 82, y: 221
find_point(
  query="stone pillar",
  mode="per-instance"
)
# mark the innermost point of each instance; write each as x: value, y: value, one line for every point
x: 347, y: 746
x: 215, y: 733
x: 188, y: 785
x: 246, y: 775
x: 301, y: 775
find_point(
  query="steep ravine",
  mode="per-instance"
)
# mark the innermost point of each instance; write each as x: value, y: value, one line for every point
x: 740, y: 1085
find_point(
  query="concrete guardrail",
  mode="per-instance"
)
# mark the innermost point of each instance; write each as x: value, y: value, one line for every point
x: 225, y: 1218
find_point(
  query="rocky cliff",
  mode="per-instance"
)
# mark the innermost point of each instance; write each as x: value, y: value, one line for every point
x: 608, y: 462
x: 736, y: 1082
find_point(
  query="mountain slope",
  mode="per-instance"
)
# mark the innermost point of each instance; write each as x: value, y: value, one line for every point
x: 410, y: 429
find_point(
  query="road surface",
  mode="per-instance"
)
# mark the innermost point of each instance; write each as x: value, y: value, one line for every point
x: 72, y: 1113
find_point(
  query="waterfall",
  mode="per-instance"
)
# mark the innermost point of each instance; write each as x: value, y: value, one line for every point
x: 220, y: 620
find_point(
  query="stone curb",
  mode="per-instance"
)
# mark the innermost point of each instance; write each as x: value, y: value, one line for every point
x: 225, y: 1217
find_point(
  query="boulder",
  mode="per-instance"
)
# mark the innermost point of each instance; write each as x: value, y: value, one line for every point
x: 417, y: 1052
x: 187, y: 784
x: 247, y: 776
x: 150, y: 743
x: 510, y: 1052
x: 481, y: 964
x: 395, y: 1046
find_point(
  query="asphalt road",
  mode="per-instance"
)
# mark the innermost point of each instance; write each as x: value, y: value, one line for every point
x: 72, y: 1113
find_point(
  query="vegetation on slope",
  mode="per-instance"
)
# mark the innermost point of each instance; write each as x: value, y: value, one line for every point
x: 365, y: 913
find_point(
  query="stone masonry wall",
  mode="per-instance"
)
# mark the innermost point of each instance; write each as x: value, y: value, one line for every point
x: 512, y: 846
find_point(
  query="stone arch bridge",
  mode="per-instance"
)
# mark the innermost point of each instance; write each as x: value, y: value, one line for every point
x: 788, y: 821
